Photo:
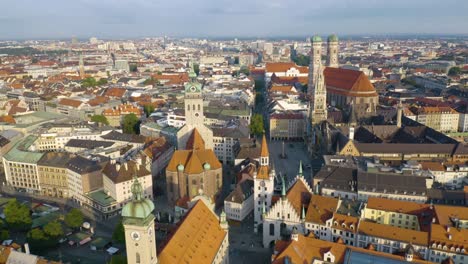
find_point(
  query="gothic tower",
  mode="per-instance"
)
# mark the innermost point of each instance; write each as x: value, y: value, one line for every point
x: 332, y: 51
x: 319, y: 113
x: 315, y: 61
x: 138, y: 222
x: 264, y: 179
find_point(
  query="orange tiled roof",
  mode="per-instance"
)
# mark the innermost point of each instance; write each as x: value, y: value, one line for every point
x: 283, y: 89
x: 70, y: 102
x: 393, y: 233
x: 7, y: 119
x: 452, y: 239
x: 389, y: 205
x: 299, y: 196
x: 193, y: 160
x: 445, y: 213
x: 321, y: 208
x: 309, y: 248
x: 264, y: 150
x: 348, y: 82
x: 115, y: 92
x: 263, y: 172
x: 197, y: 239
x: 347, y: 220
x: 284, y: 67
x: 195, y: 141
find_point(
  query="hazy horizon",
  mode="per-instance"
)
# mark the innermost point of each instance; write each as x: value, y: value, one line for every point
x: 114, y: 19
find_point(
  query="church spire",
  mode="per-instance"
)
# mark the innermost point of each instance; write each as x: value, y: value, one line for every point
x: 300, y: 168
x: 264, y: 151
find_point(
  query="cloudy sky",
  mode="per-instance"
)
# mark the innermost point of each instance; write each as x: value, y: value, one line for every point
x: 228, y: 18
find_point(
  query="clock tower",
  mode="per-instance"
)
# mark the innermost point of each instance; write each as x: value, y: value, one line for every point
x: 193, y: 101
x: 138, y: 222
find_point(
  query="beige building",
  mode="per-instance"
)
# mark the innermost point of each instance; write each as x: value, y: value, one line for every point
x: 443, y: 119
x: 115, y: 115
x: 84, y: 176
x: 53, y: 176
x: 118, y: 178
x: 20, y: 165
x: 287, y: 126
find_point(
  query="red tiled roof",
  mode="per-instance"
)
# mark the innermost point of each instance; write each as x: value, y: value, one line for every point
x: 70, y: 102
x: 348, y: 82
x: 284, y: 67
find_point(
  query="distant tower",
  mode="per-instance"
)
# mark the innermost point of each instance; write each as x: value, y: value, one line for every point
x: 332, y: 51
x: 193, y: 101
x: 82, y: 72
x: 138, y: 222
x: 399, y: 113
x: 319, y: 113
x: 315, y: 61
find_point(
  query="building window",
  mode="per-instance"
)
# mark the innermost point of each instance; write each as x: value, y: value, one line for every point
x: 272, y: 229
x: 137, y: 258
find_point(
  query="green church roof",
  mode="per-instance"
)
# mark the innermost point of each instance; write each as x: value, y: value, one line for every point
x: 139, y: 207
x: 316, y: 38
x: 333, y: 38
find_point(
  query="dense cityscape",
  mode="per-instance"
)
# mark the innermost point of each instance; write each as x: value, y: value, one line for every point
x: 320, y: 149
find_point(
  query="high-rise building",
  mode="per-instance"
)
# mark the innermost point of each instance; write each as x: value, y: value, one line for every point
x: 315, y: 61
x: 332, y: 51
x: 82, y: 71
x: 138, y: 222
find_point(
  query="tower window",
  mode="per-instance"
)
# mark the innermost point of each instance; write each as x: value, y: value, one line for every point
x: 198, y: 107
x: 137, y: 258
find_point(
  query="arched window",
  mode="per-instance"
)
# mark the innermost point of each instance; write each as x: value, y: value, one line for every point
x: 137, y: 258
x: 198, y: 107
x: 272, y: 229
x: 193, y: 108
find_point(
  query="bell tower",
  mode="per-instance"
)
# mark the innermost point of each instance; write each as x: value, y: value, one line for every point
x: 138, y: 222
x: 332, y: 51
x: 315, y: 62
x: 319, y: 113
x: 193, y: 101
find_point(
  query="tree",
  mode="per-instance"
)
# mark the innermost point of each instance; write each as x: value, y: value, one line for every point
x: 53, y: 229
x: 118, y: 259
x: 119, y: 233
x: 17, y: 215
x: 4, y: 235
x: 74, y: 218
x: 131, y: 124
x: 256, y: 125
x: 102, y: 81
x: 133, y: 67
x: 454, y: 71
x: 149, y: 109
x: 196, y: 68
x: 38, y: 240
x: 100, y: 119
x: 301, y: 60
x: 245, y: 70
x: 89, y: 82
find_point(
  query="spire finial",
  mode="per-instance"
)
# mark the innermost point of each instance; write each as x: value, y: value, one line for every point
x: 136, y: 189
x: 303, y: 213
x: 300, y: 167
x: 283, y: 189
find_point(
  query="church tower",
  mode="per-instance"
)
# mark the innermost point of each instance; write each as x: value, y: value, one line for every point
x: 138, y: 222
x: 332, y: 51
x: 194, y: 117
x: 315, y: 62
x: 264, y: 180
x: 319, y: 113
x: 193, y: 101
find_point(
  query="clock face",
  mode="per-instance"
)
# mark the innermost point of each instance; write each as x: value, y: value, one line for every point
x: 196, y: 114
x: 150, y: 231
x: 317, y: 61
x: 193, y: 89
x: 135, y: 236
x: 262, y: 183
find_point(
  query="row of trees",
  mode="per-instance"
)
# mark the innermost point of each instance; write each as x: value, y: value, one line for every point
x: 91, y: 82
x: 18, y: 218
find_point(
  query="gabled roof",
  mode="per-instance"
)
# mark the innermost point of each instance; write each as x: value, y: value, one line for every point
x: 348, y: 82
x: 195, y: 141
x: 197, y: 239
x: 284, y: 67
x: 193, y: 161
x: 321, y: 208
x: 393, y: 233
x: 70, y: 102
x: 124, y: 172
x: 299, y: 196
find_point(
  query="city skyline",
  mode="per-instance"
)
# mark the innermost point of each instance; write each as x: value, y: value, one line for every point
x: 142, y: 18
